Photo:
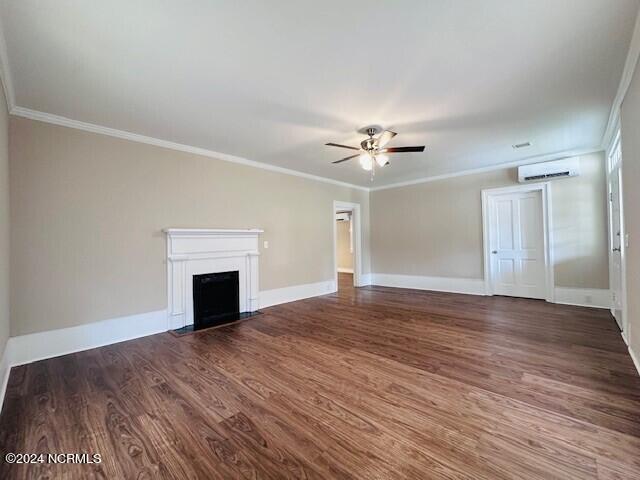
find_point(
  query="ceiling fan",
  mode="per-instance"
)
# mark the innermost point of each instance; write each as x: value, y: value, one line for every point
x: 373, y: 151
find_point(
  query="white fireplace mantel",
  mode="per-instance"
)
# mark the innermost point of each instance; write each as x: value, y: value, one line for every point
x: 196, y: 251
x: 175, y: 232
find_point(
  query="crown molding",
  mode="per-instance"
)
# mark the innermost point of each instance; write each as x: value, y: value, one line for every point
x: 134, y: 137
x: 627, y: 75
x: 501, y: 166
x: 612, y: 125
x: 613, y: 122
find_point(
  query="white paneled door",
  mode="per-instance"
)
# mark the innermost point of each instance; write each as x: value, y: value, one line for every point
x: 615, y: 233
x: 516, y: 244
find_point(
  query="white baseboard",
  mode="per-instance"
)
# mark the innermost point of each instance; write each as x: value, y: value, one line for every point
x: 32, y: 347
x: 345, y: 270
x: 42, y: 345
x: 471, y: 286
x: 636, y: 360
x: 53, y: 343
x: 5, y: 369
x: 584, y: 297
x: 587, y: 297
x: 268, y: 298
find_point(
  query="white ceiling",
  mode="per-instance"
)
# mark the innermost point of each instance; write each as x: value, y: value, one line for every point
x: 274, y: 81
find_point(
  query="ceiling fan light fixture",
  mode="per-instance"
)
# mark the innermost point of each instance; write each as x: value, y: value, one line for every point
x: 366, y: 162
x: 382, y: 160
x: 373, y: 150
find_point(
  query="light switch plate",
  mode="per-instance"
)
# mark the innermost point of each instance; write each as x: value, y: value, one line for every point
x: 265, y: 244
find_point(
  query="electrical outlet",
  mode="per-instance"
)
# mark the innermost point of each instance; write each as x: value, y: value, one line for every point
x: 588, y: 299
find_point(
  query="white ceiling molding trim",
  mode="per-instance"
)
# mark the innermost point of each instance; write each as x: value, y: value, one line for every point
x: 468, y: 124
x: 134, y: 137
x: 536, y: 159
x: 7, y: 85
x: 5, y: 73
x: 6, y: 78
x: 625, y: 81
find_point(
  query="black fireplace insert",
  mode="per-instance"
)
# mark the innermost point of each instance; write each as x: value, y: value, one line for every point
x: 216, y: 299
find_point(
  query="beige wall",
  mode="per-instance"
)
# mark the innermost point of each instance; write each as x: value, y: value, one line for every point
x: 439, y: 230
x: 630, y: 126
x: 579, y: 218
x: 4, y: 223
x: 343, y: 245
x: 88, y: 211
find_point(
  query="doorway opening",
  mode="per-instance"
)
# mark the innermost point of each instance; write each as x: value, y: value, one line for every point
x: 347, y: 239
x: 344, y: 248
x: 517, y: 241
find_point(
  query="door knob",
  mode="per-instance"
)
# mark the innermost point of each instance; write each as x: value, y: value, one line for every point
x: 494, y: 251
x: 616, y: 249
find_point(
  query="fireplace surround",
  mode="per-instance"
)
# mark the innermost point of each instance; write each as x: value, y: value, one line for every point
x: 194, y: 252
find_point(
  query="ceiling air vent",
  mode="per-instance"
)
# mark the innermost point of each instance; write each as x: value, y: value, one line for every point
x: 569, y: 167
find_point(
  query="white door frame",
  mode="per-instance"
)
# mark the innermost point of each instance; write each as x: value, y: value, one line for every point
x: 545, y: 190
x: 623, y: 235
x: 356, y: 226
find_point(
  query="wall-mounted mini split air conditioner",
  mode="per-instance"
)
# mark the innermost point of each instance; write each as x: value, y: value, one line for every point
x: 568, y: 167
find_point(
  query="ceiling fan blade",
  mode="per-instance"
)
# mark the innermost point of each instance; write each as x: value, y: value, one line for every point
x: 331, y: 144
x: 347, y: 158
x: 385, y: 138
x: 403, y: 149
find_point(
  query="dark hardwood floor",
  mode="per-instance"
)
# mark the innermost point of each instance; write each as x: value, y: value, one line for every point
x: 370, y: 383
